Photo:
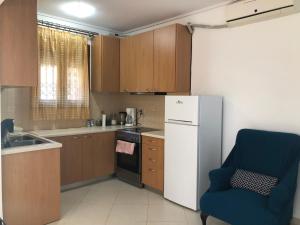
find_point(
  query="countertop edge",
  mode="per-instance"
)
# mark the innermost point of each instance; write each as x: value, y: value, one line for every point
x: 74, y: 131
x: 154, y: 135
x: 32, y: 148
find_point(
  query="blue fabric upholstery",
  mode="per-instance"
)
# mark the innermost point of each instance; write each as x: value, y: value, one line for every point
x: 271, y: 153
x: 220, y: 178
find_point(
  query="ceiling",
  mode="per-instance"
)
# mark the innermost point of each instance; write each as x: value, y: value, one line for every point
x: 124, y: 15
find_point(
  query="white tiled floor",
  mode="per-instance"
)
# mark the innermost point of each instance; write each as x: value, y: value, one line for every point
x: 113, y: 202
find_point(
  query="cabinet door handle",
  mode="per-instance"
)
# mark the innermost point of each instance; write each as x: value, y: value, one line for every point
x: 152, y: 141
x: 152, y: 149
x: 75, y: 137
x: 125, y: 90
x: 152, y: 160
x: 152, y: 170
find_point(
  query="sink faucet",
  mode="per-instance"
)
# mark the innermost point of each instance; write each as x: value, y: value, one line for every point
x: 7, y: 126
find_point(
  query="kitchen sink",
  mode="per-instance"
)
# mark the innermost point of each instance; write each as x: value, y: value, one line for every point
x: 22, y: 140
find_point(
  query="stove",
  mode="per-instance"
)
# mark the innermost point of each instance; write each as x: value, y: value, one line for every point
x: 129, y: 167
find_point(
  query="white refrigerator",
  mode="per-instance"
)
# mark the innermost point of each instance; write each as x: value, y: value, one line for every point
x: 193, y: 139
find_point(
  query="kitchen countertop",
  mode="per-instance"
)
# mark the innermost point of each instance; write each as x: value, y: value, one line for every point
x: 156, y: 134
x: 30, y: 148
x: 75, y: 131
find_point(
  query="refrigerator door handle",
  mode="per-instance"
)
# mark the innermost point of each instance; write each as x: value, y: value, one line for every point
x: 183, y: 122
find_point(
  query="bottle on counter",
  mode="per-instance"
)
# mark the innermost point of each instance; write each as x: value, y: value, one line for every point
x: 103, y: 120
x: 114, y: 119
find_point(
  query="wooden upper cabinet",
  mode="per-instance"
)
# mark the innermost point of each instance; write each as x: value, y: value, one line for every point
x: 136, y: 56
x: 18, y: 43
x: 106, y: 64
x: 172, y: 59
x: 128, y: 75
x: 144, y: 61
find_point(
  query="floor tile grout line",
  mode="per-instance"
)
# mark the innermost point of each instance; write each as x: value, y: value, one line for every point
x: 76, y: 206
x: 148, y: 207
x: 112, y: 205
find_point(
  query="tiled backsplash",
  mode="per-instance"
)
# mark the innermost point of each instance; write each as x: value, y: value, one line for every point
x: 153, y: 107
x: 16, y: 104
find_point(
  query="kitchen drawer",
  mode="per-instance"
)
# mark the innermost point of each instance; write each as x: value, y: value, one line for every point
x: 152, y: 141
x: 153, y: 162
x: 155, y: 158
x: 152, y: 177
x: 151, y: 149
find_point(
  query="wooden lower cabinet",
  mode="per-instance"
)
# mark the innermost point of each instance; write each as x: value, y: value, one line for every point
x: 31, y: 187
x: 85, y: 157
x: 98, y: 155
x: 153, y: 162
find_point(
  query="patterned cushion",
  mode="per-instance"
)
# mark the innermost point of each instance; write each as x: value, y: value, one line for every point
x: 256, y: 182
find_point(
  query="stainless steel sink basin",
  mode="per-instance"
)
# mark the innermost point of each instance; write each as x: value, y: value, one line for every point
x: 22, y: 140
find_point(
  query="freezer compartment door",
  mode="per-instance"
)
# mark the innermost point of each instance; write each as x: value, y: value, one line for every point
x: 181, y: 165
x: 182, y: 109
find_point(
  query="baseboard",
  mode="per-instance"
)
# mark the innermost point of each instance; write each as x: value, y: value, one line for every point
x: 69, y: 187
x: 295, y: 221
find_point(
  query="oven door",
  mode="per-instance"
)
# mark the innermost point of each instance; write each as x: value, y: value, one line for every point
x: 130, y: 162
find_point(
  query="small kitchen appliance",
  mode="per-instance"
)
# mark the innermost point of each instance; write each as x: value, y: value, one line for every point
x: 131, y: 119
x: 122, y: 118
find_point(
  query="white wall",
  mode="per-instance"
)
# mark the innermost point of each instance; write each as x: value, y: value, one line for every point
x: 255, y: 67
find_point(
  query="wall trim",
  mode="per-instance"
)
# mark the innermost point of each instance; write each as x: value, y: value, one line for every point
x: 169, y: 20
x: 108, y: 31
x: 76, y: 24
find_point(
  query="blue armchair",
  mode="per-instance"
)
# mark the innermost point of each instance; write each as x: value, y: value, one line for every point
x: 269, y: 153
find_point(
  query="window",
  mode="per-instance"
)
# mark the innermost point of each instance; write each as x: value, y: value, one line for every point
x: 74, y: 92
x: 63, y: 87
x: 48, y: 83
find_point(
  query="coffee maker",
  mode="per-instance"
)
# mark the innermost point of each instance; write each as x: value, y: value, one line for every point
x: 131, y: 119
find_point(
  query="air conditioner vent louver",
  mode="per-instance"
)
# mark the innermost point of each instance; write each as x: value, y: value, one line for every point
x: 256, y: 8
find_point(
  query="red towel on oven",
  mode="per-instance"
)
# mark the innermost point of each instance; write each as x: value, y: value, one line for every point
x: 125, y: 147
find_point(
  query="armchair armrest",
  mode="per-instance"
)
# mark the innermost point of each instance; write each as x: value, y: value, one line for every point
x: 284, y: 192
x: 220, y: 179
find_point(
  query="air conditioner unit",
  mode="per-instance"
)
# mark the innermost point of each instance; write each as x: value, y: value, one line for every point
x: 247, y: 11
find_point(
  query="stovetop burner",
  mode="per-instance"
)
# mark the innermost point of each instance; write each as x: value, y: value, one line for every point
x: 139, y: 130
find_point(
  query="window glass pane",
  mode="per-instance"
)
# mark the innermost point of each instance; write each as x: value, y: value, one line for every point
x: 75, y: 88
x: 48, y: 86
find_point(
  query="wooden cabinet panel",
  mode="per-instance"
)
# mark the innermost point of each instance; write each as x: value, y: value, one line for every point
x: 172, y: 59
x: 157, y: 61
x: 151, y: 141
x: 128, y: 75
x: 98, y: 155
x: 164, y: 59
x: 153, y: 162
x: 89, y: 148
x: 137, y: 63
x: 106, y: 64
x: 144, y: 61
x: 86, y: 157
x: 71, y: 158
x: 31, y: 187
x: 18, y: 43
x: 183, y: 59
x: 105, y: 157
